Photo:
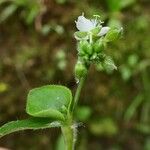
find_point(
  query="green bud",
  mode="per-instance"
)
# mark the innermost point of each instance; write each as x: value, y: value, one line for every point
x: 113, y: 34
x: 80, y: 70
x: 85, y: 58
x: 85, y: 47
x: 98, y: 46
x: 96, y: 30
x: 81, y: 35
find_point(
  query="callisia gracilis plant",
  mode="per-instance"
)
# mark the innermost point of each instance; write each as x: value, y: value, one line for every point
x: 53, y: 105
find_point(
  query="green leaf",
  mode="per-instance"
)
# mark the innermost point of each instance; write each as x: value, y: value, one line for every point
x: 31, y: 123
x: 114, y: 5
x: 7, y: 12
x: 113, y: 34
x: 131, y: 110
x: 98, y: 46
x: 51, y: 101
x: 109, y: 64
x: 117, y: 5
x: 31, y: 14
x: 84, y: 47
x: 126, y: 3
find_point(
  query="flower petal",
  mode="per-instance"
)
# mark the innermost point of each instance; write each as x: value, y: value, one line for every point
x: 84, y: 24
x: 103, y: 31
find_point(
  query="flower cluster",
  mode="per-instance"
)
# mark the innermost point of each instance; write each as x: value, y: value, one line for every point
x: 87, y: 28
x: 92, y: 39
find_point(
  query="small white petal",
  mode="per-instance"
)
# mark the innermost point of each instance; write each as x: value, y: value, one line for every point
x: 103, y: 31
x: 84, y: 24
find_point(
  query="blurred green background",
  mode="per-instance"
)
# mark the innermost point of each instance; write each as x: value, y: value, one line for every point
x: 37, y: 47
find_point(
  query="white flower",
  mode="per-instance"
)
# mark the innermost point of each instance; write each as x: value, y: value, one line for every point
x: 88, y: 28
x: 103, y: 31
x: 84, y: 24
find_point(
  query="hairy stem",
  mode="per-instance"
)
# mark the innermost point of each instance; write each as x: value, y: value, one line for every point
x: 69, y: 129
x: 69, y: 136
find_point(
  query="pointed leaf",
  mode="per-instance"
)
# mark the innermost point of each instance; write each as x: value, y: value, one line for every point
x: 31, y: 123
x: 109, y: 64
x: 51, y: 101
x: 113, y: 34
x: 131, y: 110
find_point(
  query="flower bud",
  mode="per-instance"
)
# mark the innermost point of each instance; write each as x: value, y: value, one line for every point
x: 80, y: 70
x: 98, y: 46
x: 113, y: 34
x: 96, y: 30
x: 81, y: 35
x: 85, y: 47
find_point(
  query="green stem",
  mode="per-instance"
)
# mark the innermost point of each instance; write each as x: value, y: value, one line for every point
x: 78, y: 92
x: 69, y: 129
x: 69, y: 136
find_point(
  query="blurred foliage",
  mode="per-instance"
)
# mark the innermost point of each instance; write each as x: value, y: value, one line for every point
x: 3, y: 87
x: 37, y: 47
x: 105, y: 127
x: 60, y: 145
x: 29, y: 9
